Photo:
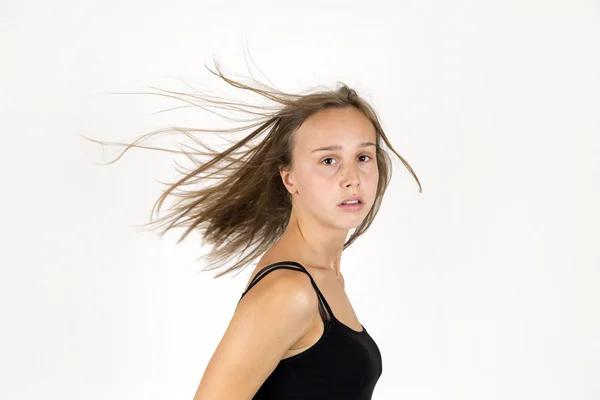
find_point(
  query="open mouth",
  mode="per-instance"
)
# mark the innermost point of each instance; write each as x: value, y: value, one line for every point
x: 352, y: 205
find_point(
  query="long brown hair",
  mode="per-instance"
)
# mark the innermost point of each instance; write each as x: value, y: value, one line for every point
x: 248, y: 206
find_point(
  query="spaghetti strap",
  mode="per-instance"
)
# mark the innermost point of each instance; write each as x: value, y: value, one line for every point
x: 292, y: 265
x: 341, y: 364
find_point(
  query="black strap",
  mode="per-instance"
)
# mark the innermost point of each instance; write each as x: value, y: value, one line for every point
x: 296, y: 267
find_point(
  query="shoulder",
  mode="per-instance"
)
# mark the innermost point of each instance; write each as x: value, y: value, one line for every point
x: 282, y: 288
x: 271, y: 318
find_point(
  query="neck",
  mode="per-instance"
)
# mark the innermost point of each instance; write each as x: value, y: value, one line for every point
x: 317, y: 246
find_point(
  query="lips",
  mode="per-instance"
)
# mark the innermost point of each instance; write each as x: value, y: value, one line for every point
x: 354, y: 197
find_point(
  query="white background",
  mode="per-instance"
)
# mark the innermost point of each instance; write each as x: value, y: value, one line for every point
x: 485, y: 286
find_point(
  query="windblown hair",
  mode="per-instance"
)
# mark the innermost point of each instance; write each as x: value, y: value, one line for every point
x: 248, y: 206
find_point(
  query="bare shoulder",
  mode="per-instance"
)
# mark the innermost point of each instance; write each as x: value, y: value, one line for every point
x: 271, y: 317
x: 281, y: 283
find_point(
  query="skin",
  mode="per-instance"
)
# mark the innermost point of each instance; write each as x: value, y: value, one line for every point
x: 279, y: 317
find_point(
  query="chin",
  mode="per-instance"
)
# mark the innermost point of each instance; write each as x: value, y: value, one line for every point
x: 351, y: 221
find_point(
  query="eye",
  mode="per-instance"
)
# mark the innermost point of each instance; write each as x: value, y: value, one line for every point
x: 330, y: 158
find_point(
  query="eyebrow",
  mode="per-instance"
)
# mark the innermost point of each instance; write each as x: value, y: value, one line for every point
x: 338, y: 147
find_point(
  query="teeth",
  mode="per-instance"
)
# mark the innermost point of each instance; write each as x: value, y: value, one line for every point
x: 351, y: 202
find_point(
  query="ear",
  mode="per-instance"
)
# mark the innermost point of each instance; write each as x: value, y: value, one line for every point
x: 286, y: 178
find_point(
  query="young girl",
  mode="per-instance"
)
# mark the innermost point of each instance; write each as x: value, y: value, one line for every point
x: 319, y: 172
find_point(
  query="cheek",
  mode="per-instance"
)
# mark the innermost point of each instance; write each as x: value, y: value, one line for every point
x: 319, y: 177
x: 313, y: 183
x: 318, y: 187
x: 371, y: 179
x: 321, y: 186
x: 371, y: 173
x: 375, y: 175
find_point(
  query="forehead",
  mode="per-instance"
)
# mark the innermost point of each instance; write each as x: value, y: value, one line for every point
x: 334, y: 126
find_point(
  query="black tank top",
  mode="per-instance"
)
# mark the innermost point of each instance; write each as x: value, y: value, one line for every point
x: 342, y: 364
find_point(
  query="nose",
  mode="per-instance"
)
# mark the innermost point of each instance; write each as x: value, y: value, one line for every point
x: 350, y: 176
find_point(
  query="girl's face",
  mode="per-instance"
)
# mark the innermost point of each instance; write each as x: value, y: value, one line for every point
x: 334, y: 157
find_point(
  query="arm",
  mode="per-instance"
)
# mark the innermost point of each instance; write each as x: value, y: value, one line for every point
x: 268, y: 321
